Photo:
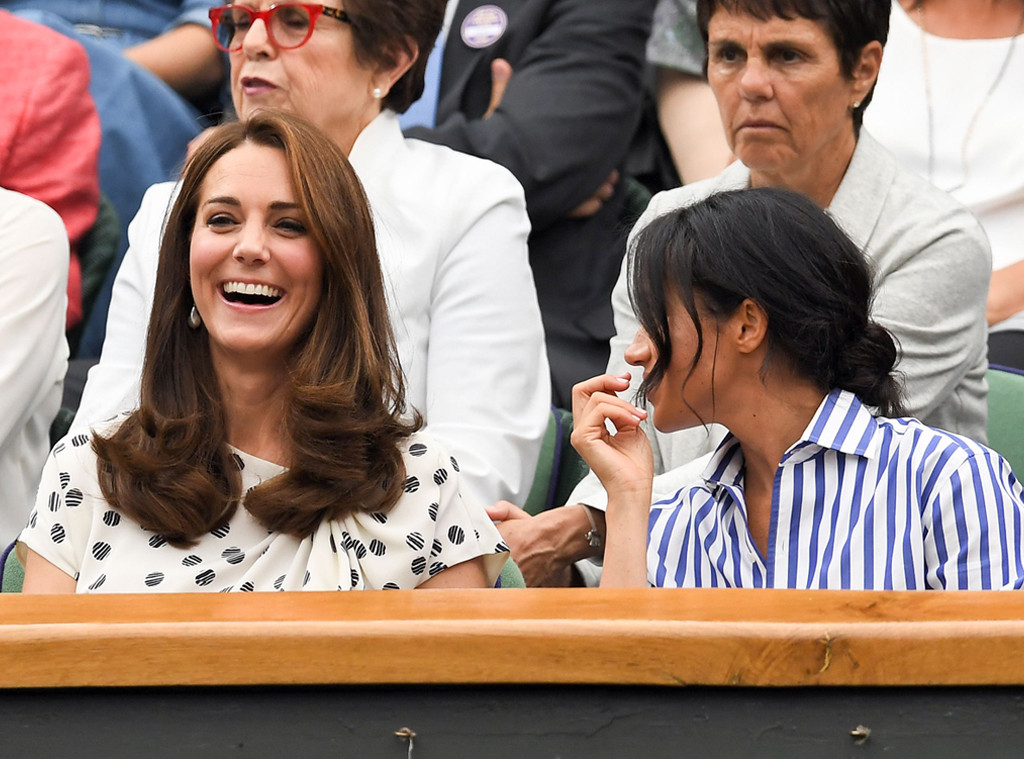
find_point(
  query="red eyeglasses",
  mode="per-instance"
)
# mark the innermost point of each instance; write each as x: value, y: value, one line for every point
x: 289, y: 25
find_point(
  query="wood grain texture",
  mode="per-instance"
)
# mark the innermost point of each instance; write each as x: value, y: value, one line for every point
x: 628, y: 637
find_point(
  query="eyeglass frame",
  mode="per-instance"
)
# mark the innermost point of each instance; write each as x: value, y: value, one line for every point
x: 314, y: 10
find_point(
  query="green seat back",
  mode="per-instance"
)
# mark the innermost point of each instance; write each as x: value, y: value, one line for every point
x: 13, y: 573
x: 559, y: 467
x: 1006, y: 416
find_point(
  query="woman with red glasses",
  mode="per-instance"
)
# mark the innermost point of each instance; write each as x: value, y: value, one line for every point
x: 451, y: 231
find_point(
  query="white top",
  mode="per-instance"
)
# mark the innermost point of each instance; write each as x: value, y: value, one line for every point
x: 961, y: 73
x: 451, y: 231
x: 33, y: 289
x: 429, y: 529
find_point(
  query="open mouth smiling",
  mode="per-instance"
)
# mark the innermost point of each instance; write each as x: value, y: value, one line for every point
x: 249, y: 294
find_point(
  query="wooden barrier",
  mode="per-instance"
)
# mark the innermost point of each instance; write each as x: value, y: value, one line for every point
x: 635, y: 637
x: 524, y: 673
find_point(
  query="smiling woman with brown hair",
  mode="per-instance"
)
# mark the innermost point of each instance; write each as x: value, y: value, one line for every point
x: 270, y: 450
x: 451, y: 231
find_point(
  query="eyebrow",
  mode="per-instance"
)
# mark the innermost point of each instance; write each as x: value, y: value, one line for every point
x: 277, y: 205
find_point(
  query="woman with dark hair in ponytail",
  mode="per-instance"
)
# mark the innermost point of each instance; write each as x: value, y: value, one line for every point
x: 755, y: 313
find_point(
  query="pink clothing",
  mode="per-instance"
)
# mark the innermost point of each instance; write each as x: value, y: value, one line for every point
x: 49, y: 131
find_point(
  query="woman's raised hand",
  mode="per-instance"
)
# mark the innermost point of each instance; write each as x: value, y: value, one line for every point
x: 623, y: 460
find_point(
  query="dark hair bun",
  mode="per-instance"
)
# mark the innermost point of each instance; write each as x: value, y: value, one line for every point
x: 865, y: 367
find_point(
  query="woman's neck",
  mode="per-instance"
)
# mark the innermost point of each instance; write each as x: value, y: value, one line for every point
x: 967, y: 19
x: 769, y: 419
x: 818, y: 176
x: 255, y: 400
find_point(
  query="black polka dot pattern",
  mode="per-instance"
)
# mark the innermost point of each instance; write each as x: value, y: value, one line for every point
x: 359, y: 549
x: 420, y: 538
x: 414, y: 540
x: 100, y: 550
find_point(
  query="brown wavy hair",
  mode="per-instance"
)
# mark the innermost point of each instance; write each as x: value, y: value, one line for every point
x: 169, y: 467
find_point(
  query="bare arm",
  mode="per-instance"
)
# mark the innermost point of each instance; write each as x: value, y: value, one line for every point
x: 624, y: 465
x: 468, y: 574
x: 43, y: 577
x: 688, y: 114
x: 1006, y: 293
x: 185, y: 57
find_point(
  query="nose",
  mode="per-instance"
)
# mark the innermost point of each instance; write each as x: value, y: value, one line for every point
x: 639, y: 352
x: 256, y: 41
x: 755, y: 80
x: 251, y: 247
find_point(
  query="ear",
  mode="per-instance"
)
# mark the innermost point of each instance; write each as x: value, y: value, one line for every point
x: 386, y: 76
x: 749, y: 326
x: 865, y: 70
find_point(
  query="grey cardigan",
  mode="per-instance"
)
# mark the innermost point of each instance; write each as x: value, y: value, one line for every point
x: 932, y: 266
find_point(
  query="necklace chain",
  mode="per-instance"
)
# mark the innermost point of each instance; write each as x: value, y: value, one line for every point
x: 965, y: 171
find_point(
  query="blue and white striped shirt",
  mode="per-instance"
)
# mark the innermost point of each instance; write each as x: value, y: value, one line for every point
x: 858, y: 502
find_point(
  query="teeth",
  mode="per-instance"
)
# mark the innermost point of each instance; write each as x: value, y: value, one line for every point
x: 248, y: 288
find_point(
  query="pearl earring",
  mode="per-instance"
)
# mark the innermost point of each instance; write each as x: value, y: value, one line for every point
x: 194, y: 319
x: 856, y: 105
x: 378, y: 93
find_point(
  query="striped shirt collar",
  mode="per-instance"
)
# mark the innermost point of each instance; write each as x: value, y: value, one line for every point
x: 841, y: 423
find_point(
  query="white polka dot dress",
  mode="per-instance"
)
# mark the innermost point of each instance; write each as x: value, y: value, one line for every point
x: 430, y: 529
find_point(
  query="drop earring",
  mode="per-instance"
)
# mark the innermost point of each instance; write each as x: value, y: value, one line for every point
x: 194, y: 319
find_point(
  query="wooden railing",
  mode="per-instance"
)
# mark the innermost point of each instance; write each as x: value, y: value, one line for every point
x: 641, y: 637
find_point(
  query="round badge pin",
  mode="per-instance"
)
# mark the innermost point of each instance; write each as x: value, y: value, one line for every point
x: 484, y: 26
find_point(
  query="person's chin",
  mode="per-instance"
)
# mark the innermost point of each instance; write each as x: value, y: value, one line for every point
x: 674, y: 424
